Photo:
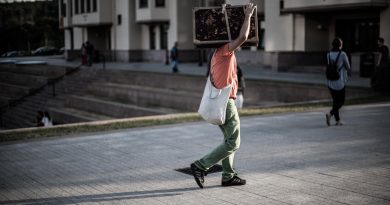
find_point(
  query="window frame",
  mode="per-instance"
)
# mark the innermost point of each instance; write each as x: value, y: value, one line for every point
x: 142, y: 4
x: 76, y: 6
x: 119, y: 19
x: 82, y: 6
x: 159, y: 5
x: 94, y: 6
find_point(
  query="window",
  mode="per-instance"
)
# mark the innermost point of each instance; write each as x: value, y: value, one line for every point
x: 71, y: 8
x: 63, y: 9
x: 82, y: 10
x: 76, y: 6
x: 281, y: 4
x: 160, y: 3
x: 88, y: 6
x: 119, y: 19
x: 94, y: 6
x: 143, y: 3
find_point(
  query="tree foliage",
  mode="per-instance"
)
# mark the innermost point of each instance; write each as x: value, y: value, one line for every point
x: 29, y: 25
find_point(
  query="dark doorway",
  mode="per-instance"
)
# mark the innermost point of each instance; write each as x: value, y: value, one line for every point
x: 164, y: 36
x: 152, y: 37
x: 359, y: 35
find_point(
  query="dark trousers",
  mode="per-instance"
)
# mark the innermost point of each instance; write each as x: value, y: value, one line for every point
x: 338, y: 97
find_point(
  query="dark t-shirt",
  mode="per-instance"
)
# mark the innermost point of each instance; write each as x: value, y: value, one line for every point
x: 384, y: 50
x: 174, y: 53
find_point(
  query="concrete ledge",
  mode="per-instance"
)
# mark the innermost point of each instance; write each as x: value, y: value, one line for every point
x: 282, y: 61
x: 148, y: 96
x: 67, y: 129
x: 97, y: 126
x: 41, y: 70
x: 109, y: 108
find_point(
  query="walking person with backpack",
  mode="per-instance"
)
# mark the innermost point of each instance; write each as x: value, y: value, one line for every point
x: 174, y: 58
x: 337, y: 71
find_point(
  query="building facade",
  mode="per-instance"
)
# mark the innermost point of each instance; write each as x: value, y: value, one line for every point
x: 123, y: 30
x: 293, y: 33
x: 298, y: 32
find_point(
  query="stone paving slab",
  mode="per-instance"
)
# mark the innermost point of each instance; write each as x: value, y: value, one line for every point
x: 287, y: 159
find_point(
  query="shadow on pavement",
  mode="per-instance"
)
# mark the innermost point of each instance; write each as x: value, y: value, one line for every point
x: 104, y: 197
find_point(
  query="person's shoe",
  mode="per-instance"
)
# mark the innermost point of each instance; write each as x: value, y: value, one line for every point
x: 235, y: 181
x: 198, y: 175
x: 339, y: 123
x: 328, y: 116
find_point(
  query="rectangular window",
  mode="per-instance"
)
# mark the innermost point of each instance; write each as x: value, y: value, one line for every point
x: 160, y: 3
x: 76, y: 6
x: 63, y: 8
x: 119, y: 19
x: 281, y: 4
x: 71, y: 8
x: 94, y: 6
x: 143, y: 4
x: 88, y: 6
x: 82, y: 6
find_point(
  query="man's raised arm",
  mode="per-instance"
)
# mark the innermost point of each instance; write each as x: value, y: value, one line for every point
x: 244, y: 32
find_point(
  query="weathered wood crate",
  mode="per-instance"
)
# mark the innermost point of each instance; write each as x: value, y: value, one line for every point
x: 212, y: 29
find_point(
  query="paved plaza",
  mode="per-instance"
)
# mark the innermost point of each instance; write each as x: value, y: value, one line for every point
x: 286, y: 158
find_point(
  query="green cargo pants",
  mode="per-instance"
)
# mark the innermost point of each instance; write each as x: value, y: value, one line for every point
x: 225, y: 151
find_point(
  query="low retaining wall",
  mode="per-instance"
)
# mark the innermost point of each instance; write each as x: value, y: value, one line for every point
x: 295, y: 61
x: 257, y: 91
x: 283, y: 61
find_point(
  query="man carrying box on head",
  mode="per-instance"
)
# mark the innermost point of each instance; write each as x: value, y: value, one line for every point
x: 223, y: 72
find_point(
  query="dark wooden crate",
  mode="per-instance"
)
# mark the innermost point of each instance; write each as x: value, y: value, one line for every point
x: 210, y: 29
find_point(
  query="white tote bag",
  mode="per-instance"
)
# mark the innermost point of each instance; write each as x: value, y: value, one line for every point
x: 214, y: 102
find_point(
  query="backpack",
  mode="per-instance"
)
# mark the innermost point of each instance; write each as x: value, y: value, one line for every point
x: 332, y: 71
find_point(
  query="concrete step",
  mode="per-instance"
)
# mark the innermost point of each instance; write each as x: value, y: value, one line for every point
x: 23, y: 113
x: 38, y: 70
x: 110, y: 108
x: 5, y: 101
x: 308, y: 69
x: 17, y: 119
x: 262, y: 104
x: 32, y: 81
x: 70, y: 115
x: 148, y: 96
x: 158, y: 80
x: 15, y: 125
x: 13, y: 91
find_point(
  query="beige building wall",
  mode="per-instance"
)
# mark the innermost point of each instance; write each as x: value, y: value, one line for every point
x: 299, y: 32
x: 278, y: 28
x: 316, y: 3
x: 67, y: 39
x: 135, y: 33
x: 385, y: 25
x: 173, y: 23
x: 79, y: 36
x: 184, y: 23
x: 120, y: 33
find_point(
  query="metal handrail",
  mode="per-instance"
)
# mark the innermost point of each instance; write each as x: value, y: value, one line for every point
x: 51, y: 81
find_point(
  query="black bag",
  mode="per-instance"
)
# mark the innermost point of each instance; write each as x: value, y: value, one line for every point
x: 332, y: 72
